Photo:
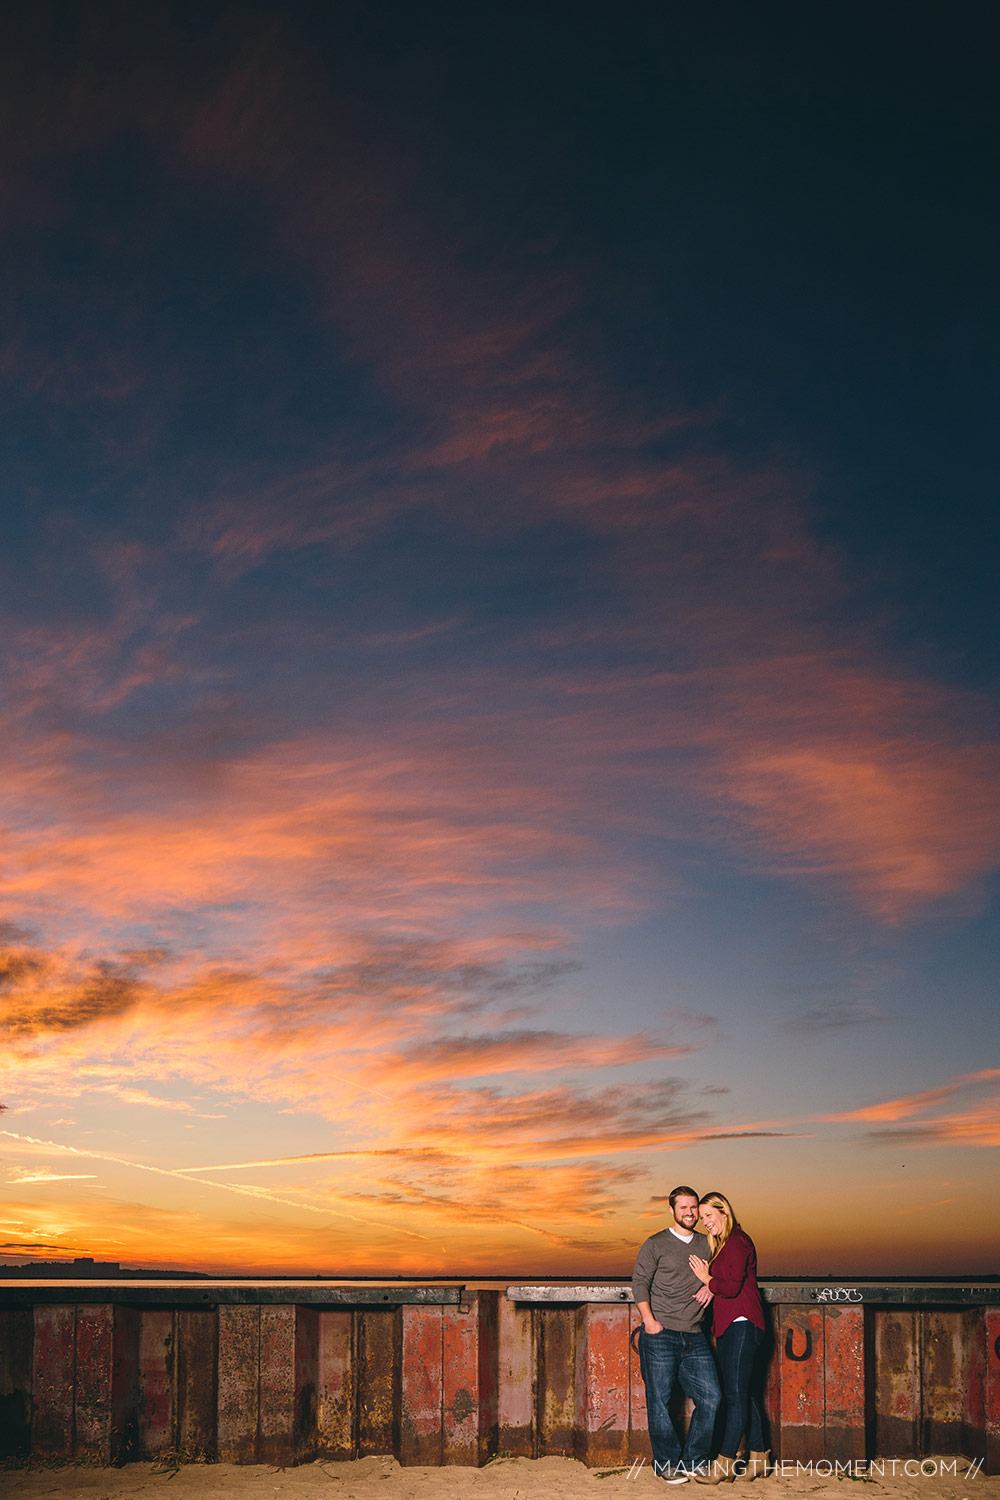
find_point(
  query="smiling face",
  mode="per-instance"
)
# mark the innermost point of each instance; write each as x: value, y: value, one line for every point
x: 686, y: 1212
x: 713, y: 1218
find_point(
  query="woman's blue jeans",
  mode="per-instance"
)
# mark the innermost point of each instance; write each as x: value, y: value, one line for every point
x: 667, y: 1359
x: 739, y: 1350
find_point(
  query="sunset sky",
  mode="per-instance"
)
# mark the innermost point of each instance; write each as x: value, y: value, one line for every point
x: 499, y: 634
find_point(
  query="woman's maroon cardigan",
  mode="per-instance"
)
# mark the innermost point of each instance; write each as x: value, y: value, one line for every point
x: 734, y: 1284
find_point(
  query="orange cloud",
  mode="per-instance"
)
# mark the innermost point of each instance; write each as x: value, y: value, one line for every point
x: 49, y: 995
x: 885, y: 785
x: 909, y: 1105
x: 563, y: 1121
x: 898, y: 1122
x: 405, y: 839
x: 579, y: 1194
x: 360, y: 1044
x: 521, y: 1051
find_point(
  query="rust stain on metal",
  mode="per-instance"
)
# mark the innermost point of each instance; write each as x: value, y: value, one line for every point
x: 421, y: 1415
x: 336, y: 1390
x: 803, y: 1355
x: 92, y: 1407
x: 991, y: 1388
x: 517, y: 1364
x: 602, y: 1383
x: 844, y: 1383
x: 430, y: 1381
x: 556, y: 1380
x: 239, y: 1373
x: 276, y: 1385
x: 897, y: 1383
x: 155, y: 1394
x: 53, y: 1375
x: 463, y: 1405
x: 378, y: 1348
x: 460, y: 1354
x: 196, y: 1350
x: 305, y: 1434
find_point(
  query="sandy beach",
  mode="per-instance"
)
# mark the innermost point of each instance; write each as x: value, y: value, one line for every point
x: 380, y: 1478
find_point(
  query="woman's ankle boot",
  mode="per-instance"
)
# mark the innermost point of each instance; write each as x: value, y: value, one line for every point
x: 721, y: 1471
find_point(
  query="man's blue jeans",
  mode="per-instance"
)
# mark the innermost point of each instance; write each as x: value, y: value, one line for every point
x: 666, y: 1359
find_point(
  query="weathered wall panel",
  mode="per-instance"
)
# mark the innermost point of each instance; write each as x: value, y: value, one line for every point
x: 944, y: 1376
x: 844, y: 1383
x: 973, y: 1438
x: 556, y: 1384
x: 602, y: 1384
x: 155, y: 1394
x: 53, y: 1380
x: 897, y: 1416
x: 991, y: 1390
x: 379, y: 1345
x: 92, y: 1405
x: 421, y: 1420
x: 238, y: 1380
x: 489, y: 1373
x: 336, y: 1386
x: 516, y: 1376
x: 125, y: 1438
x: 196, y: 1356
x: 460, y: 1328
x: 802, y: 1410
x: 305, y: 1434
x: 16, y: 1339
x: 276, y: 1386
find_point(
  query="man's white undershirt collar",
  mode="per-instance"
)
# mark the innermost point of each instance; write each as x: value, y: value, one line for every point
x: 687, y: 1238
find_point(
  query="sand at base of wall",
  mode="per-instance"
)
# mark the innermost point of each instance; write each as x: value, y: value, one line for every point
x: 502, y: 1479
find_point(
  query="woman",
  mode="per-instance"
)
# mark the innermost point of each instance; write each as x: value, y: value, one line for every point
x: 738, y: 1325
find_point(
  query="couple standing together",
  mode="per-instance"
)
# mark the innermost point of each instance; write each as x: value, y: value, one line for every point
x: 678, y: 1275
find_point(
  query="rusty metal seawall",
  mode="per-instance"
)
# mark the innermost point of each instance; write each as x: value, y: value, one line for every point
x: 858, y: 1371
x: 258, y: 1373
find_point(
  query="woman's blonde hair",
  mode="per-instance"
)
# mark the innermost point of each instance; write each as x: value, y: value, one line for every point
x: 722, y: 1205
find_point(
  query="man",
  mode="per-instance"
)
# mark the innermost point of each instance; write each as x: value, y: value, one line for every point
x: 672, y: 1347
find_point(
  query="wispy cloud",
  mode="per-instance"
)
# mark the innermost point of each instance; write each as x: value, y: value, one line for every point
x: 523, y: 1051
x: 22, y: 1178
x: 822, y: 1020
x: 247, y: 1190
x: 972, y: 1120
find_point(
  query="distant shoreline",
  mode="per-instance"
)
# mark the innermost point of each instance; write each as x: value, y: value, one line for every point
x: 83, y: 1270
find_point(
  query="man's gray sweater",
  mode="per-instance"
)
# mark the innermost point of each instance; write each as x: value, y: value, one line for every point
x: 663, y: 1278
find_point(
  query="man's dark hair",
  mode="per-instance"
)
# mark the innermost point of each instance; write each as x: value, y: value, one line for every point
x: 681, y: 1192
